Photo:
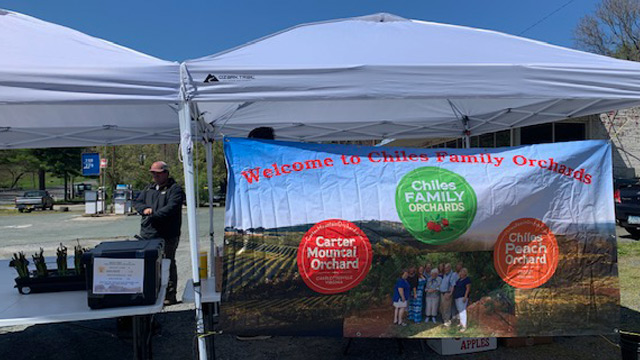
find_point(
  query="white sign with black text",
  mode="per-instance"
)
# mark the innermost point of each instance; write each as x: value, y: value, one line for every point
x: 118, y: 276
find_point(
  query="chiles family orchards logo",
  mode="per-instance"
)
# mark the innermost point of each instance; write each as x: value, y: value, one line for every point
x: 334, y: 256
x: 435, y: 205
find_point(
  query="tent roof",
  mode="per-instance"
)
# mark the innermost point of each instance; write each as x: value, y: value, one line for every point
x: 60, y: 87
x: 382, y: 76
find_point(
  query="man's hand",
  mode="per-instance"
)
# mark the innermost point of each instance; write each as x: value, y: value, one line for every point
x: 147, y: 211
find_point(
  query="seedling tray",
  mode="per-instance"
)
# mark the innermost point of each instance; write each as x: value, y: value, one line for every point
x: 51, y: 283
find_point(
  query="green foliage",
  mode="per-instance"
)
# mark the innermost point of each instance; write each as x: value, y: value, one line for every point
x: 61, y: 260
x: 129, y: 164
x: 15, y: 164
x: 41, y: 265
x: 21, y: 264
x: 59, y: 162
x: 219, y: 171
x: 78, y: 252
x: 629, y: 248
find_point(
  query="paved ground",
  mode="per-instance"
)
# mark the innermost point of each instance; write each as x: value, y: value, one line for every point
x: 99, y: 339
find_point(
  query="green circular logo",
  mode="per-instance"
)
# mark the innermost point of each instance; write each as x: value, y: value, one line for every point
x: 435, y: 205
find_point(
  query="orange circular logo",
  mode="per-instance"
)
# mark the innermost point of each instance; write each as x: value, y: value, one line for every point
x: 526, y: 253
x: 334, y: 256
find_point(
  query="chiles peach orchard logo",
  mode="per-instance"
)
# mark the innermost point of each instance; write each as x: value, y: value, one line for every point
x: 435, y: 205
x: 526, y: 253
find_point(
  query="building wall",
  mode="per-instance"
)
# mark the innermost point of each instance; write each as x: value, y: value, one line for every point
x: 622, y: 128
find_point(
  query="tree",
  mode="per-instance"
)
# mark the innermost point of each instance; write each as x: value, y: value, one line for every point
x: 219, y: 171
x: 63, y: 163
x: 129, y: 164
x: 16, y: 164
x: 614, y: 30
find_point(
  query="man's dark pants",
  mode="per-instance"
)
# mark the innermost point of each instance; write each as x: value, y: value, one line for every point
x: 170, y: 247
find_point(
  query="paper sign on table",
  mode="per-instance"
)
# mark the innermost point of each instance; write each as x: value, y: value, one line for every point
x: 118, y: 276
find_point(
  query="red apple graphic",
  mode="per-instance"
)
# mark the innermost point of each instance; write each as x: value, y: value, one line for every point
x: 431, y: 225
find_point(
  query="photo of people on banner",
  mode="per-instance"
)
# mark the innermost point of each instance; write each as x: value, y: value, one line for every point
x: 359, y: 241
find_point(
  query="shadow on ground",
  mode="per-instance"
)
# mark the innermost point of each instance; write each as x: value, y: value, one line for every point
x: 99, y: 339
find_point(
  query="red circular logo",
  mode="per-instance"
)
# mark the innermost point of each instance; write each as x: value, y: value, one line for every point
x: 526, y: 253
x: 334, y: 256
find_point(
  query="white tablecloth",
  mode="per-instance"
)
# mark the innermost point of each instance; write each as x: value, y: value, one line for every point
x: 43, y: 308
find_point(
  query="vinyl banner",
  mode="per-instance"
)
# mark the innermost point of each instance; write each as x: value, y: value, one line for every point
x: 396, y: 242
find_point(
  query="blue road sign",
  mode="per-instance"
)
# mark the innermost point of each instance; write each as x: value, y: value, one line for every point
x: 90, y: 164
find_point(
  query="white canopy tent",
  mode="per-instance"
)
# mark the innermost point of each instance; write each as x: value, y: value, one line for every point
x: 60, y: 87
x: 371, y: 77
x: 63, y: 88
x: 382, y: 76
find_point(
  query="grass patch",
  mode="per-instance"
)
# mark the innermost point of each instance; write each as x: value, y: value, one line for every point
x: 629, y: 276
x: 9, y: 212
x: 15, y: 212
x: 629, y: 248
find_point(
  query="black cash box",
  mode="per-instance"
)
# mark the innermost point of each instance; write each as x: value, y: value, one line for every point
x: 117, y: 294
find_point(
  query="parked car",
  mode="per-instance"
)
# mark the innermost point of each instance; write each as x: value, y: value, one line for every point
x: 627, y: 200
x: 34, y: 199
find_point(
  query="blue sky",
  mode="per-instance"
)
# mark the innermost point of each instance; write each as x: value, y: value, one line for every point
x: 179, y: 30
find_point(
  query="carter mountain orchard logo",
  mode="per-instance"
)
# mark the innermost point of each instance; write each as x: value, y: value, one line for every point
x: 334, y: 256
x: 435, y: 205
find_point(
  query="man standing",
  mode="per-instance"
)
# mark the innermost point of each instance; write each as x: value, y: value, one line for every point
x: 160, y: 205
x: 454, y: 279
x: 446, y: 289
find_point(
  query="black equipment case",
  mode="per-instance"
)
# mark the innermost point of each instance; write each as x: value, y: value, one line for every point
x: 149, y: 250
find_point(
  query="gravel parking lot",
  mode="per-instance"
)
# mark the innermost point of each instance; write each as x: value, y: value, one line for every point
x: 175, y: 339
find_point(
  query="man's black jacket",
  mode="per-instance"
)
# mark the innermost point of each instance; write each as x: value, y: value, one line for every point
x: 166, y: 203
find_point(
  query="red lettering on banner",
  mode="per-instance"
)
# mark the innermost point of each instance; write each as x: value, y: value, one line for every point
x: 552, y: 165
x: 275, y: 167
x: 401, y: 156
x: 396, y: 156
x: 251, y: 175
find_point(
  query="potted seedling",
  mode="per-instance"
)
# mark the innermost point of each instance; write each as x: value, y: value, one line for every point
x: 21, y: 264
x: 61, y: 260
x: 40, y: 263
x: 78, y: 252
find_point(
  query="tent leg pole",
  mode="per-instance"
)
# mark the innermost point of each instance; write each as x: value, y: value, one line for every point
x: 186, y: 145
x: 467, y: 132
x: 212, y: 252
